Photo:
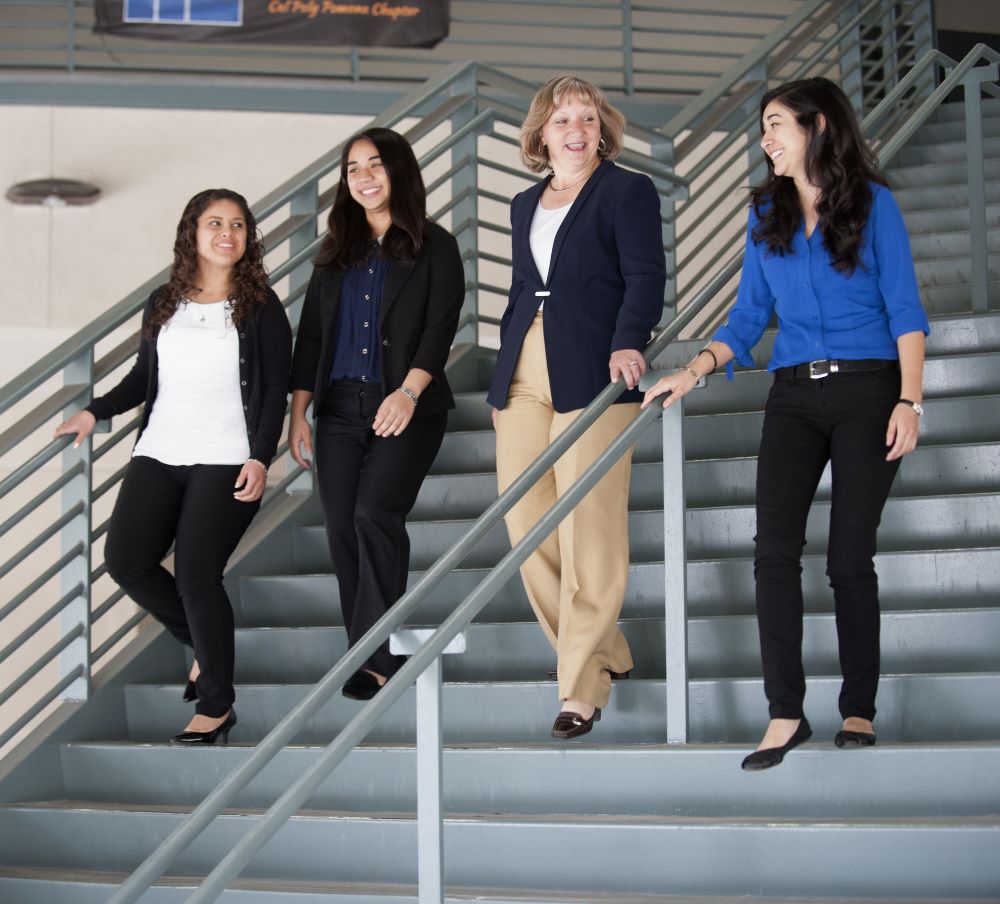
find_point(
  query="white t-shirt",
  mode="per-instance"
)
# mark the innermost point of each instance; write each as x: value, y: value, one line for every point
x: 542, y: 236
x: 197, y: 417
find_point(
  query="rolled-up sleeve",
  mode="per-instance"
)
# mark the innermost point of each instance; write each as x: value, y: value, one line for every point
x: 750, y: 315
x: 897, y: 279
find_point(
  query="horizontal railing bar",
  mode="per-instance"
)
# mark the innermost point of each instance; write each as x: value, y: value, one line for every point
x: 114, y: 598
x: 700, y: 12
x: 507, y: 170
x: 64, y: 641
x: 285, y: 230
x: 106, y: 485
x: 274, y: 493
x: 495, y: 258
x: 35, y: 419
x: 41, y: 539
x: 33, y: 711
x: 452, y: 202
x: 42, y: 579
x: 51, y: 612
x: 436, y: 117
x: 117, y: 356
x: 472, y: 127
x: 118, y: 635
x: 100, y: 530
x: 303, y: 256
x: 449, y: 174
x: 114, y: 438
x: 42, y: 496
x: 493, y: 290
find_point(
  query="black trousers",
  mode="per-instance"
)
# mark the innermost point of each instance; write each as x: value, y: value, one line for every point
x: 841, y: 419
x: 191, y: 506
x: 367, y: 486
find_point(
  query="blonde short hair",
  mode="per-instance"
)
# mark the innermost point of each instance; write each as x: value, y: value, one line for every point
x: 547, y: 98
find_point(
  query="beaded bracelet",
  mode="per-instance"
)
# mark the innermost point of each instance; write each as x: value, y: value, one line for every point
x: 409, y: 393
x: 691, y: 371
x: 715, y: 361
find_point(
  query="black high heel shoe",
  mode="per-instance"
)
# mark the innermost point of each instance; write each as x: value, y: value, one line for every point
x: 187, y: 738
x: 361, y: 685
x: 190, y: 693
x: 771, y: 756
x: 572, y: 725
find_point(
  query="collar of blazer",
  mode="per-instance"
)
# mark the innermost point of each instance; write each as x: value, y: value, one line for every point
x: 532, y: 196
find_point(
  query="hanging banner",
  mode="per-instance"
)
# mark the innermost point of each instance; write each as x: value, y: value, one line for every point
x: 381, y: 23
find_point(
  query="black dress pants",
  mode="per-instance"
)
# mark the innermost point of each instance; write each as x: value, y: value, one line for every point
x: 191, y: 506
x: 841, y: 419
x: 367, y: 486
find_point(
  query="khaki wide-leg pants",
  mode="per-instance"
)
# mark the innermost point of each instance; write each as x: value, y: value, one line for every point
x: 576, y: 579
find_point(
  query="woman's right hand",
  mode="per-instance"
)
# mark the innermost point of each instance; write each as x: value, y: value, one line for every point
x: 676, y: 386
x: 494, y: 413
x: 82, y: 424
x: 300, y: 437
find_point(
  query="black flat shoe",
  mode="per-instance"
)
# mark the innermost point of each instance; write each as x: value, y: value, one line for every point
x: 615, y: 676
x: 190, y: 694
x: 572, y: 725
x: 187, y: 738
x: 846, y: 738
x: 361, y: 686
x: 771, y: 756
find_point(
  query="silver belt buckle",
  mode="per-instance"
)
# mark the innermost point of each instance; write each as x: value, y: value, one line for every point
x: 820, y: 369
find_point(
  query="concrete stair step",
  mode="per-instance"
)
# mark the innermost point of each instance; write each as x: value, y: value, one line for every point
x: 942, y: 152
x: 933, y: 579
x: 642, y: 855
x: 948, y: 271
x: 732, y: 710
x: 945, y: 219
x: 899, y: 781
x: 932, y: 641
x: 948, y: 468
x: 957, y: 298
x: 954, y: 243
x: 962, y: 521
x: 952, y: 130
x: 934, y: 174
x: 928, y: 197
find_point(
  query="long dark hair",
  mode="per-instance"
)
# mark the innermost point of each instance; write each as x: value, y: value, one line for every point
x: 838, y: 162
x: 349, y: 239
x: 248, y: 286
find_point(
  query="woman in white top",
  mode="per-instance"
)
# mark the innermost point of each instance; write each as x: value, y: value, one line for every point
x: 213, y: 370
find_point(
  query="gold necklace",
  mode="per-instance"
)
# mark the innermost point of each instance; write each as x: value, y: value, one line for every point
x: 575, y: 184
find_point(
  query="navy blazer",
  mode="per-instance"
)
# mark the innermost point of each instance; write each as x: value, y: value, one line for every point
x: 417, y: 319
x: 605, y: 286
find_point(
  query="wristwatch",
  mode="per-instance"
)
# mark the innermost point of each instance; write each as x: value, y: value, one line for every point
x: 916, y: 406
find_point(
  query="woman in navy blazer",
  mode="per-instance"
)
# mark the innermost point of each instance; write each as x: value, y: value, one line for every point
x: 587, y: 290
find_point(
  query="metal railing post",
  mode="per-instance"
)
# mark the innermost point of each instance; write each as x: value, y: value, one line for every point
x: 465, y: 213
x: 850, y: 58
x: 430, y: 741
x: 978, y: 259
x: 628, y: 70
x: 756, y: 167
x: 76, y: 535
x: 70, y: 35
x: 662, y: 150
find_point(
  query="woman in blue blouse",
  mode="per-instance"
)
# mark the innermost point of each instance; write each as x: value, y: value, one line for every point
x: 827, y: 251
x: 378, y: 320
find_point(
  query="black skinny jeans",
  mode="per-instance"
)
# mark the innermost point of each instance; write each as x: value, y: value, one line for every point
x: 367, y: 486
x: 191, y: 506
x: 842, y: 419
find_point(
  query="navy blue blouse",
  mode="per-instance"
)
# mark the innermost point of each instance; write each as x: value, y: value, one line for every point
x: 357, y: 349
x: 824, y: 314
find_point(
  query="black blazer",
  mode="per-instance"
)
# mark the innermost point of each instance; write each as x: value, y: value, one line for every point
x: 265, y: 344
x: 605, y: 285
x: 417, y: 321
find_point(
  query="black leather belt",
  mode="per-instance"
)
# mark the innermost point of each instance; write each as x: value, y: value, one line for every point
x: 816, y: 370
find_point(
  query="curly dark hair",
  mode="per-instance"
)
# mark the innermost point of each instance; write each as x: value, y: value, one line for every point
x: 838, y: 162
x: 349, y: 239
x: 248, y: 286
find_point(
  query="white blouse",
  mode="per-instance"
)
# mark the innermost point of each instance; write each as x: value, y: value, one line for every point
x: 542, y: 236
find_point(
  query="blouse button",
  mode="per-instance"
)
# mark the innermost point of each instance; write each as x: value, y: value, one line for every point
x: 366, y: 298
x: 365, y: 323
x: 386, y: 343
x: 243, y: 361
x: 371, y: 271
x: 364, y: 351
x: 243, y: 382
x: 243, y: 335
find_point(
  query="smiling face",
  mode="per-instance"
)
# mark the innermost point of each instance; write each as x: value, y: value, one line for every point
x: 221, y: 234
x: 784, y: 141
x: 571, y: 135
x: 368, y: 181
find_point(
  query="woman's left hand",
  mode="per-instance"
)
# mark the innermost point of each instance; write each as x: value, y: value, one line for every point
x: 252, y: 479
x: 628, y: 364
x: 904, y: 426
x: 393, y: 415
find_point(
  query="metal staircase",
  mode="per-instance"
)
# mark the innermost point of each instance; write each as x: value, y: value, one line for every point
x: 625, y: 816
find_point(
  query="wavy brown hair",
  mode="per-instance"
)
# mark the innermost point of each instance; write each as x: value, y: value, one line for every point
x: 838, y: 162
x: 349, y: 238
x: 248, y: 284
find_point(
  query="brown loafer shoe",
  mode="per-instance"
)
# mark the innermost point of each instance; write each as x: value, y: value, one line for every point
x: 572, y: 725
x: 553, y: 675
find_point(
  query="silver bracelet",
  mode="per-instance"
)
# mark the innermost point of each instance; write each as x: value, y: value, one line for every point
x: 257, y: 461
x: 409, y: 393
x: 690, y: 370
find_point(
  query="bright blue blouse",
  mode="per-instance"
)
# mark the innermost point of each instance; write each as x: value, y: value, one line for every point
x: 823, y: 314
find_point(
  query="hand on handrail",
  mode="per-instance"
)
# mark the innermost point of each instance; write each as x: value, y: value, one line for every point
x: 82, y: 424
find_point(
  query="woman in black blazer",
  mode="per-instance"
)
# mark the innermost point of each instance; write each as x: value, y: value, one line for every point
x: 587, y: 290
x: 379, y: 318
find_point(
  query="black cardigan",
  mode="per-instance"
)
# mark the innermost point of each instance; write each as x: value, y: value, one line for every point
x: 265, y: 344
x: 417, y: 320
